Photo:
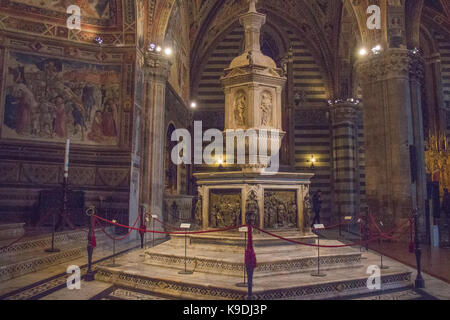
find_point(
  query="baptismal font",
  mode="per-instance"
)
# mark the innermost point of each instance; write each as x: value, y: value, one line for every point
x: 253, y: 115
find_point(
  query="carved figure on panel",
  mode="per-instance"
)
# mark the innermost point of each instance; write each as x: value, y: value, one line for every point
x: 225, y: 210
x: 199, y: 212
x: 266, y: 108
x: 240, y: 107
x: 252, y: 209
x: 280, y: 209
x: 307, y: 205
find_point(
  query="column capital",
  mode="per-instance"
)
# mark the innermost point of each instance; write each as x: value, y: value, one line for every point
x: 157, y: 67
x: 344, y: 110
x: 392, y: 63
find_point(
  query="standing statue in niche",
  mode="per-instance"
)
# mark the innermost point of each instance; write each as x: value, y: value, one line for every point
x: 199, y: 212
x: 292, y: 213
x: 307, y: 212
x: 240, y: 106
x: 266, y: 108
x: 252, y: 209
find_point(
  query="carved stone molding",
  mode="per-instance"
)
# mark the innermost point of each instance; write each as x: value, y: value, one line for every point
x: 344, y: 112
x: 390, y: 64
x: 157, y: 67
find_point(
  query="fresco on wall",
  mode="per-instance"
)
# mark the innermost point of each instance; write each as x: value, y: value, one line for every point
x: 177, y: 36
x: 98, y: 9
x: 50, y: 99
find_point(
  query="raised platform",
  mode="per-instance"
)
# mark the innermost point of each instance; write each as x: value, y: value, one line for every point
x: 283, y: 272
x: 28, y: 255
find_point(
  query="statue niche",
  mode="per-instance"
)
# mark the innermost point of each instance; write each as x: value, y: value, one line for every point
x: 266, y: 108
x: 252, y: 209
x: 240, y: 108
x: 199, y: 213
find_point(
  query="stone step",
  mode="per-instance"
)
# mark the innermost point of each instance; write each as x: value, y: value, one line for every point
x: 268, y: 265
x: 166, y: 281
x: 29, y: 255
x: 238, y: 239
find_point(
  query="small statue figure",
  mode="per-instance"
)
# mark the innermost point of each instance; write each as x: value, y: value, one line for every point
x: 252, y: 209
x: 199, y: 212
x: 307, y: 212
x: 240, y: 106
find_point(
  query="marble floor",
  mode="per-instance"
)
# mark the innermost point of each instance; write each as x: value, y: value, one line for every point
x: 50, y: 283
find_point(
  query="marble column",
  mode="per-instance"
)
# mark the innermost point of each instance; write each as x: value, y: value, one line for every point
x: 344, y: 116
x: 395, y: 169
x: 157, y: 69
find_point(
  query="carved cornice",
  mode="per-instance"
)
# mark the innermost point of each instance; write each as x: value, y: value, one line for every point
x: 344, y: 111
x: 157, y: 67
x: 390, y: 64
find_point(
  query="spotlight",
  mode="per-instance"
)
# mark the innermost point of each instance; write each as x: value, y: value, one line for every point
x: 158, y: 49
x: 98, y: 40
x: 193, y: 105
x: 313, y: 161
x: 151, y: 47
x: 377, y: 49
x: 415, y: 51
x: 168, y: 51
x: 363, y: 52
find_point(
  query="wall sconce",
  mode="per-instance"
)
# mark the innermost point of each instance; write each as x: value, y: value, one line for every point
x: 313, y: 161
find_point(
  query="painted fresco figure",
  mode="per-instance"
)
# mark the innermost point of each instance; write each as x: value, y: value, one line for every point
x: 108, y: 122
x: 60, y: 117
x: 96, y: 133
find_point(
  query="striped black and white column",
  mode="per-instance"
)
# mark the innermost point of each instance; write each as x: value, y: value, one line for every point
x: 345, y: 182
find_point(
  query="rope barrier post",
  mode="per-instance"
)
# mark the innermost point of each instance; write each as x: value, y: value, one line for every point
x: 185, y: 226
x: 142, y: 233
x: 420, y: 282
x: 53, y: 249
x: 113, y: 264
x: 382, y: 266
x: 318, y: 227
x: 153, y: 228
x: 90, y: 212
x: 243, y: 284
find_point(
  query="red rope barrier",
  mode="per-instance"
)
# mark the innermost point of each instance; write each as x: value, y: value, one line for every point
x: 112, y: 237
x: 167, y: 225
x: 313, y: 245
x: 12, y: 243
x: 171, y: 233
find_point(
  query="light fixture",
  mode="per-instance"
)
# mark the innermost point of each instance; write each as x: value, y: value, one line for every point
x: 376, y: 49
x: 313, y: 161
x: 193, y: 105
x: 415, y: 51
x: 151, y: 47
x: 158, y: 49
x: 98, y: 40
x: 168, y: 51
x: 363, y: 52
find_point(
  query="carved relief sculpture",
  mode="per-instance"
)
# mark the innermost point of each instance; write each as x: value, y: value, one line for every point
x: 280, y: 209
x: 240, y: 107
x: 266, y: 108
x: 225, y: 210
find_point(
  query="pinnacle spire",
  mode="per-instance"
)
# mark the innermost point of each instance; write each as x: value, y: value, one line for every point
x: 252, y: 7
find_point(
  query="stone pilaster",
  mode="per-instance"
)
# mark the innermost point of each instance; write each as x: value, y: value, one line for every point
x: 344, y: 115
x: 393, y: 132
x: 157, y: 69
